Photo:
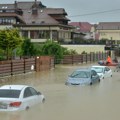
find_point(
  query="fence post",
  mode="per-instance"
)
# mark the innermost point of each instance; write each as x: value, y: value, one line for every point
x: 24, y: 65
x: 37, y: 64
x: 86, y: 58
x: 72, y: 59
x: 11, y: 67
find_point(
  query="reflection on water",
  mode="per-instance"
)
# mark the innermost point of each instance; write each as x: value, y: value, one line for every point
x: 97, y: 102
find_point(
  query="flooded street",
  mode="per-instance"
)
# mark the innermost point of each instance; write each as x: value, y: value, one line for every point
x: 101, y: 101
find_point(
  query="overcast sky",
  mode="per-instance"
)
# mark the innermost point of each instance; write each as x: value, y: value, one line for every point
x: 92, y: 11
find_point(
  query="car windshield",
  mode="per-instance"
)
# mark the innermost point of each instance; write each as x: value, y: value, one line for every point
x: 80, y: 74
x: 9, y: 93
x: 98, y: 69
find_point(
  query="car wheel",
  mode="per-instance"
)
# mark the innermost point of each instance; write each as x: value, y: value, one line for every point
x: 91, y: 83
x: 111, y: 75
x: 43, y: 100
x: 27, y: 108
x: 99, y: 80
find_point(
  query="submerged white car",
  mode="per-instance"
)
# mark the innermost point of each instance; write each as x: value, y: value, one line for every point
x: 102, y: 71
x: 19, y: 97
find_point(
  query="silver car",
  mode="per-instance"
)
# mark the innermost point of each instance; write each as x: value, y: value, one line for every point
x: 83, y: 76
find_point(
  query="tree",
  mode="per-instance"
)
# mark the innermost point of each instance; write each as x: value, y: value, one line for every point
x: 53, y: 49
x: 28, y: 48
x: 9, y: 40
x: 69, y: 52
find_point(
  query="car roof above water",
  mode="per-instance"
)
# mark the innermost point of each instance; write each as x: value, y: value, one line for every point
x: 83, y: 69
x: 13, y: 87
x: 98, y: 66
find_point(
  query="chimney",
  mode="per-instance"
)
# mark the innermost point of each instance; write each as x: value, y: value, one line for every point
x: 35, y: 8
x: 15, y: 5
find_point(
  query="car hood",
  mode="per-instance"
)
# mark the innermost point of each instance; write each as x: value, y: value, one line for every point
x: 77, y: 81
x: 100, y: 74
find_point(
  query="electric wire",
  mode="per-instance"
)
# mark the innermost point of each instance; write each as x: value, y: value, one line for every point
x: 93, y: 13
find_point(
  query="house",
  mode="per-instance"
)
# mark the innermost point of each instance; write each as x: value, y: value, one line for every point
x: 36, y: 21
x: 83, y: 28
x: 109, y: 31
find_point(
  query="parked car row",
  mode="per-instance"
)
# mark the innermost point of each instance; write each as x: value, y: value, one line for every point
x: 22, y: 97
x: 89, y: 75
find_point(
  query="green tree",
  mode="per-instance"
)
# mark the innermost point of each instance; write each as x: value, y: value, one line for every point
x: 9, y: 40
x: 28, y: 48
x: 53, y: 49
x: 69, y: 52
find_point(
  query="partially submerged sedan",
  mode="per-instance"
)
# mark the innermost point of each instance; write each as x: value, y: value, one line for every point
x: 19, y: 97
x: 102, y: 71
x: 83, y: 76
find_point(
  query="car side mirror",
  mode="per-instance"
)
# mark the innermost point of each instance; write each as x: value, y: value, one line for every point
x: 105, y: 71
x: 92, y: 76
x: 38, y: 93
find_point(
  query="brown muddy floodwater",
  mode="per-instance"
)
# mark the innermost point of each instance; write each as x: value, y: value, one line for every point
x: 101, y: 101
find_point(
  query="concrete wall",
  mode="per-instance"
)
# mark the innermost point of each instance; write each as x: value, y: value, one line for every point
x: 86, y: 48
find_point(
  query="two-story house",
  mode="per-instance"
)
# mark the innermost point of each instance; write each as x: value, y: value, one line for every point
x: 83, y: 28
x: 109, y: 31
x: 36, y: 21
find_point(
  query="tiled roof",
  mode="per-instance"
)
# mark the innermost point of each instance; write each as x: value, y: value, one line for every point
x: 41, y: 17
x: 84, y: 26
x: 61, y: 18
x: 108, y: 26
x: 8, y: 6
x: 26, y: 4
x: 56, y: 11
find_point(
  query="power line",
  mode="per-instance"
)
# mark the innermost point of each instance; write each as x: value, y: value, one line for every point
x: 95, y: 13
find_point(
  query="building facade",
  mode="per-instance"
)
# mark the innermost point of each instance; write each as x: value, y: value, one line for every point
x: 36, y: 21
x: 109, y: 31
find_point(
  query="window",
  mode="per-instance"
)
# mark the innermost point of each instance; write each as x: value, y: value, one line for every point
x: 93, y: 73
x: 6, y: 20
x: 9, y: 93
x: 25, y: 34
x: 27, y: 92
x: 33, y: 91
x: 107, y: 69
x: 42, y: 34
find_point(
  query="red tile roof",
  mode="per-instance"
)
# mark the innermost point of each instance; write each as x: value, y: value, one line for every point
x: 84, y: 26
x: 108, y: 26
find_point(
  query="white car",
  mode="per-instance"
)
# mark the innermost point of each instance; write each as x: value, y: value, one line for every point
x: 102, y: 71
x: 19, y: 97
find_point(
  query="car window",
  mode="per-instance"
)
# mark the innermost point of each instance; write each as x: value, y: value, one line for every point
x: 33, y: 91
x: 107, y: 69
x: 98, y: 69
x: 9, y: 93
x: 80, y: 74
x: 27, y: 92
x: 93, y: 73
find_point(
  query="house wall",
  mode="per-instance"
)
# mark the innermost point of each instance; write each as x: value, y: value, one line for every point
x: 2, y: 27
x: 61, y: 34
x: 109, y: 34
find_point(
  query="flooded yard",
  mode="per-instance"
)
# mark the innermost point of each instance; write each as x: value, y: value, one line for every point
x: 97, y: 102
